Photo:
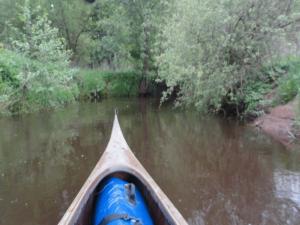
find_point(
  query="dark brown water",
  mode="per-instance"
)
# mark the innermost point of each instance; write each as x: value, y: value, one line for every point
x: 216, y: 171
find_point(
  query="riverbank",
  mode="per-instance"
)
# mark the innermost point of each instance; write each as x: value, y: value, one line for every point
x: 279, y: 123
x: 28, y: 85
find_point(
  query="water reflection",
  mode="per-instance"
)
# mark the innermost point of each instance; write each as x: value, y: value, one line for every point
x: 215, y: 171
x: 287, y: 185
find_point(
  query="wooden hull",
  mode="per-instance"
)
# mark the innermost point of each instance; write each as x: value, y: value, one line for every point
x: 118, y: 160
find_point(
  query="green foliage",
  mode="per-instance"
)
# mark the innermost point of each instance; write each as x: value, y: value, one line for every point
x: 10, y: 65
x: 107, y: 35
x: 288, y: 89
x: 108, y: 28
x: 122, y: 83
x: 90, y: 81
x: 108, y: 83
x: 289, y: 83
x: 215, y: 50
x: 28, y: 85
x: 255, y: 98
x: 281, y: 84
x: 145, y: 18
x: 72, y: 18
x: 36, y: 38
x: 37, y: 74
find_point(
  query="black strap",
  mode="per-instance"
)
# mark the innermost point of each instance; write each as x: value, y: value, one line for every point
x: 106, y: 220
x: 130, y: 189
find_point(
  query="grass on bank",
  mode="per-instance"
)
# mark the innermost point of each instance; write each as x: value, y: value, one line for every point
x: 289, y: 84
x: 280, y: 84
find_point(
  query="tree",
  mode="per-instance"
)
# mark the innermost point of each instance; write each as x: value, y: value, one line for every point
x: 214, y: 49
x: 144, y: 17
x: 40, y: 69
x: 71, y: 17
x: 109, y: 30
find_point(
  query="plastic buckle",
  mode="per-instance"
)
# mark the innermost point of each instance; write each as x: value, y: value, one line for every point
x: 126, y: 217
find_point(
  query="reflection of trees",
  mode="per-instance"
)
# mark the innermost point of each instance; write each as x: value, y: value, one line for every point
x: 210, y: 169
x: 45, y: 159
x: 287, y: 190
x: 34, y: 154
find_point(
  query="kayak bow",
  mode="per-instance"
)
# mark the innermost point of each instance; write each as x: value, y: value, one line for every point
x: 118, y: 161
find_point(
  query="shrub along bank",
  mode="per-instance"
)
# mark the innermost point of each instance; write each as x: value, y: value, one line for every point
x: 96, y: 84
x: 29, y: 85
x: 280, y: 85
x: 35, y: 73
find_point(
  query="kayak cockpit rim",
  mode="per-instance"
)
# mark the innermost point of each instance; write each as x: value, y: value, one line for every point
x: 157, y: 213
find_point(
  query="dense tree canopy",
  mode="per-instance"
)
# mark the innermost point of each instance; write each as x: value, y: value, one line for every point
x: 216, y: 55
x: 215, y: 49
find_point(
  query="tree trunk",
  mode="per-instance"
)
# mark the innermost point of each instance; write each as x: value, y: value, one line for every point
x: 144, y: 85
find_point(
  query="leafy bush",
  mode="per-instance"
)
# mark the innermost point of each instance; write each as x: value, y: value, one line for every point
x: 10, y: 65
x: 280, y: 85
x: 28, y: 85
x: 122, y: 83
x: 36, y: 38
x: 90, y: 81
x: 37, y: 74
x: 214, y: 50
x: 288, y: 89
x: 289, y: 84
x: 108, y: 83
x: 255, y: 98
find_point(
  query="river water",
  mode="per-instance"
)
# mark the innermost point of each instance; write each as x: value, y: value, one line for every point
x: 216, y: 171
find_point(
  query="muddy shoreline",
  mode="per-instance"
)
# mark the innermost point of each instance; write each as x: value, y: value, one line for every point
x: 279, y: 123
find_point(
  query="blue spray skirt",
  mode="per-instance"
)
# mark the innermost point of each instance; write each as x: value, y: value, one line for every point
x: 118, y: 199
